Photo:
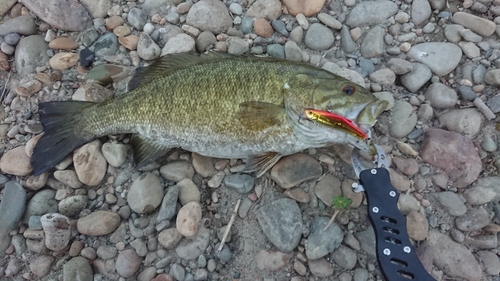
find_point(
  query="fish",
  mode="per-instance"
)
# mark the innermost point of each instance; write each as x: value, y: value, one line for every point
x: 216, y: 104
x: 333, y: 120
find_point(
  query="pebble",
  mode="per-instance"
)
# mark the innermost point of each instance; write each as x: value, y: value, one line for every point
x: 130, y: 42
x: 23, y: 25
x: 106, y: 45
x: 276, y: 50
x: 168, y: 205
x: 371, y: 13
x: 429, y: 28
x: 457, y: 155
x: 293, y: 51
x: 470, y: 35
x: 329, y: 21
x: 12, y: 208
x: 441, y: 58
x: 188, y: 191
x: 366, y: 240
x: 63, y: 43
x: 246, y: 25
x: 466, y: 93
x: 31, y: 52
x: 470, y: 49
x: 203, y: 165
x: 383, y: 76
x: 347, y: 42
x: 114, y: 153
x: 466, y: 121
x: 106, y: 252
x: 169, y: 238
x: 92, y: 92
x: 78, y: 268
x: 473, y: 220
x: 268, y: 9
x: 190, y: 249
x: 281, y: 222
x: 140, y: 247
x: 297, y: 194
x: 320, y: 267
x: 271, y: 261
x: 441, y: 96
x: 488, y: 144
x: 235, y: 9
x: 147, y: 48
x: 73, y: 205
x: 41, y: 203
x: 322, y: 242
x: 292, y: 170
x: 280, y: 27
x: 492, y: 77
x: 241, y: 183
x: 209, y: 15
x: 452, y: 32
x: 451, y: 202
x: 147, y: 274
x: 400, y: 66
x: 477, y: 24
x: 12, y: 38
x: 90, y: 165
x: 177, y: 272
x: 41, y: 265
x: 204, y: 40
x: 69, y: 178
x: 177, y: 171
x: 98, y: 223
x: 57, y: 229
x: 490, y: 262
x: 136, y: 18
x: 181, y: 43
x: 16, y: 162
x: 306, y: 7
x: 415, y: 79
x: 417, y: 226
x: 127, y: 263
x: 237, y: 46
x: 345, y: 257
x: 145, y: 194
x: 319, y: 37
x: 373, y: 43
x: 327, y: 189
x: 420, y: 11
x: 188, y: 219
x: 302, y: 20
x: 7, y: 49
x: 403, y: 119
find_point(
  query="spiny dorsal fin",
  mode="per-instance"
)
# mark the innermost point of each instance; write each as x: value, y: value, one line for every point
x: 260, y: 164
x: 256, y: 115
x: 145, y: 151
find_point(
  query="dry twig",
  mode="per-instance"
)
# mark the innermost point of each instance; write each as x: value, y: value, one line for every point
x: 228, y: 228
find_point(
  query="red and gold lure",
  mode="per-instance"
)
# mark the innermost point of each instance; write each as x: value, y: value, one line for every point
x: 335, y: 121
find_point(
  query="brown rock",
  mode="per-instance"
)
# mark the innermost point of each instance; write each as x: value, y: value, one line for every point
x: 127, y: 263
x: 63, y: 43
x: 203, y: 165
x: 454, y: 153
x: 347, y: 191
x: 113, y: 22
x: 62, y: 61
x: 30, y: 145
x: 92, y: 92
x: 4, y: 62
x: 399, y: 181
x: 263, y: 28
x: 297, y: 194
x: 306, y: 7
x: 327, y: 189
x: 268, y: 9
x: 407, y: 166
x: 320, y: 267
x: 169, y: 238
x: 36, y: 182
x: 28, y: 89
x: 90, y: 165
x: 63, y: 15
x: 16, y: 162
x: 130, y: 42
x: 188, y: 219
x: 292, y: 170
x: 40, y: 266
x: 417, y: 226
x: 121, y: 31
x: 271, y: 260
x: 98, y: 223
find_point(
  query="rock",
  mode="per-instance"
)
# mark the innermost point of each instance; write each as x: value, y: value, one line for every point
x: 114, y: 153
x: 441, y: 58
x: 276, y: 50
x: 263, y: 28
x: 403, y: 119
x: 41, y: 265
x: 293, y: 51
x: 473, y: 220
x: 204, y: 40
x: 145, y: 194
x: 66, y: 15
x: 97, y: 9
x: 327, y: 189
x: 169, y: 238
x: 6, y: 5
x: 492, y: 77
x: 203, y: 165
x: 320, y: 267
x: 453, y: 258
x: 452, y: 32
x: 344, y: 257
x: 190, y: 249
x: 488, y: 144
x: 147, y: 274
x: 371, y: 13
x: 147, y: 48
x: 188, y: 192
x: 209, y: 15
x: 347, y: 43
x: 181, y: 43
x: 63, y: 43
x: 90, y: 165
x: 136, y: 18
x: 31, y: 52
x: 4, y: 65
x: 281, y: 222
x: 78, y: 268
x: 420, y: 11
x: 319, y: 37
x: 383, y: 76
x: 177, y: 271
x: 417, y: 226
x: 168, y: 205
x: 57, y: 229
x: 482, y: 241
x: 62, y: 60
x: 271, y: 261
x: 453, y: 153
x: 140, y: 247
x: 241, y: 183
x: 366, y: 240
x: 490, y: 262
x: 127, y: 263
x: 441, y: 96
x: 400, y: 66
x: 177, y: 171
x: 237, y: 46
x: 373, y: 43
x: 189, y: 219
x: 415, y: 79
x: 407, y: 166
x: 322, y: 242
x: 24, y: 25
x: 16, y: 162
x: 484, y: 191
x: 329, y: 21
x: 98, y: 223
x: 41, y: 203
x: 451, y: 202
x: 292, y: 170
x: 268, y: 9
x: 12, y: 208
x: 106, y: 45
x: 470, y: 49
x: 470, y: 36
x: 106, y: 252
x: 477, y: 24
x: 466, y: 121
x: 72, y: 205
x: 307, y: 8
x: 130, y: 42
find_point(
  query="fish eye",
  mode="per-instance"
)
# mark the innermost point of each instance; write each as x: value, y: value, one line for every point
x: 348, y: 89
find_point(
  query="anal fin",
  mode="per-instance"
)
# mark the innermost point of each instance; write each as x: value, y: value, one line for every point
x: 146, y: 151
x: 260, y: 164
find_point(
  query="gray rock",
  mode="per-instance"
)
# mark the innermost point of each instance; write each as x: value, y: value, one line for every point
x: 373, y: 43
x: 360, y: 274
x: 89, y: 36
x: 429, y: 28
x: 477, y: 24
x: 470, y: 49
x: 209, y: 15
x: 329, y: 21
x: 127, y: 263
x: 177, y: 170
x: 177, y: 271
x: 451, y: 202
x: 204, y: 40
x: 473, y: 220
x: 415, y: 79
x: 181, y: 43
x: 237, y: 46
x: 267, y: 9
x: 115, y: 153
x: 281, y: 222
x: 482, y: 241
x: 280, y: 27
x: 147, y: 48
x: 400, y: 66
x: 420, y: 11
x: 293, y: 51
x: 344, y: 257
x: 490, y: 262
x: 13, y: 267
x: 320, y: 243
x: 241, y: 183
x: 470, y: 36
x: 41, y: 203
x: 403, y: 119
x: 106, y: 45
x: 24, y: 25
x: 72, y: 205
x: 225, y: 254
x: 12, y: 206
x: 168, y: 205
x: 437, y: 4
x: 190, y: 249
x: 466, y: 93
x: 478, y: 74
x: 466, y: 121
x: 492, y: 77
x: 452, y: 32
x: 63, y: 15
x: 145, y: 194
x: 106, y: 252
x: 276, y: 50
x: 97, y: 9
x: 246, y: 25
x: 297, y: 34
x: 366, y: 240
x: 346, y: 41
x: 136, y: 18
x: 140, y: 247
x: 441, y: 96
x: 370, y: 13
x: 78, y: 268
x: 383, y: 76
x: 441, y: 58
x: 319, y: 37
x: 488, y: 144
x: 494, y: 104
x: 31, y: 52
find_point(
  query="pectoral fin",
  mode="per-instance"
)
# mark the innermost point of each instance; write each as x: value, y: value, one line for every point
x: 260, y: 164
x: 146, y: 151
x: 256, y: 115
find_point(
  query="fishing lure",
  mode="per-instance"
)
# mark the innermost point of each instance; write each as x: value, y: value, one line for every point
x: 335, y: 121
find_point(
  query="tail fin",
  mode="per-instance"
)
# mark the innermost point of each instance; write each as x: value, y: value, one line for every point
x: 60, y: 122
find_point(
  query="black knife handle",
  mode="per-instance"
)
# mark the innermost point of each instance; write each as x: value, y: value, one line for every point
x: 395, y: 254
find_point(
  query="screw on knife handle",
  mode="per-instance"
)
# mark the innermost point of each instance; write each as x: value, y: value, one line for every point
x: 395, y: 254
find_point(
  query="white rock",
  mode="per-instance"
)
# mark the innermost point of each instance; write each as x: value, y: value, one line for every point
x: 57, y: 229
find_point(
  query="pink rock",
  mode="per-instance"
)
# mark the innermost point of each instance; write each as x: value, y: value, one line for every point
x: 16, y: 162
x: 127, y: 263
x: 189, y: 218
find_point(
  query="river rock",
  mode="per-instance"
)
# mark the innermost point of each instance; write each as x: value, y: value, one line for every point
x: 168, y: 205
x: 188, y: 191
x: 420, y: 11
x: 192, y: 248
x: 43, y: 202
x: 12, y: 207
x: 473, y: 220
x: 373, y: 43
x: 415, y: 79
x: 97, y: 8
x: 320, y: 267
x: 169, y: 238
x: 371, y: 13
x: 41, y: 265
x: 295, y: 169
x: 442, y: 58
x: 147, y: 48
x: 477, y: 24
x: 127, y: 263
x: 98, y: 223
x: 24, y: 25
x: 145, y: 194
x: 90, y: 165
x: 441, y: 96
x: 63, y: 60
x: 72, y: 205
x: 16, y: 162
x: 485, y: 190
x: 189, y: 219
x: 492, y: 77
x: 450, y: 202
x: 209, y: 15
x: 63, y: 15
x: 306, y: 7
x: 31, y: 52
x: 78, y: 268
x: 271, y: 261
x: 319, y: 37
x: 114, y: 153
x: 466, y: 121
x: 268, y: 9
x: 322, y: 242
x: 57, y: 229
x: 403, y: 119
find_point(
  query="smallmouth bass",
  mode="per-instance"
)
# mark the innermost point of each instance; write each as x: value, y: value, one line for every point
x: 217, y: 105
